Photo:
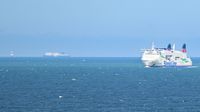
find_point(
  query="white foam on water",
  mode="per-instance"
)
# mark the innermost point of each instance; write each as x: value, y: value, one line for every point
x: 83, y: 60
x: 116, y: 74
x: 193, y: 67
x: 121, y: 100
x: 165, y: 98
x: 60, y: 97
x: 73, y: 79
x: 99, y: 68
x: 143, y: 80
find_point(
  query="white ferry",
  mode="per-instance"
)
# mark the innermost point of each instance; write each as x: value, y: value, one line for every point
x: 159, y: 57
x: 55, y: 54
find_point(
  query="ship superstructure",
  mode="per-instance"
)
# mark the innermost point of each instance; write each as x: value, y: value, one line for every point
x: 156, y: 57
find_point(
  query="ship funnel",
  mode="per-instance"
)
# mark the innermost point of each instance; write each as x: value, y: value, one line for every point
x: 184, y: 48
x: 169, y: 47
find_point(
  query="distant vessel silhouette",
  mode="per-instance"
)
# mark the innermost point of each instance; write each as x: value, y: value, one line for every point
x: 12, y: 54
x: 55, y: 54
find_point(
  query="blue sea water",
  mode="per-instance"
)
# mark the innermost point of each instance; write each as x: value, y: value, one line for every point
x: 96, y: 85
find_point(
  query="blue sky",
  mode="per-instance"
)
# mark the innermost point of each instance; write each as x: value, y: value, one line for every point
x: 116, y: 28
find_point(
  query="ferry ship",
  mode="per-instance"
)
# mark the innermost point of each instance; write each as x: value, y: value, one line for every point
x: 165, y: 57
x: 55, y: 54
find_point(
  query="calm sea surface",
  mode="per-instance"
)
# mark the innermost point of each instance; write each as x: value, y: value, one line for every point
x: 96, y: 85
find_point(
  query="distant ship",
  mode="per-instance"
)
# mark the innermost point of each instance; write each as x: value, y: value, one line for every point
x: 55, y: 54
x: 12, y: 54
x: 159, y: 57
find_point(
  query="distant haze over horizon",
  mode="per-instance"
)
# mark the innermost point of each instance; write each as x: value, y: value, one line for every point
x: 97, y: 28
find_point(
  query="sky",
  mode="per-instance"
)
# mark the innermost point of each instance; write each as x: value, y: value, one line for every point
x: 97, y: 28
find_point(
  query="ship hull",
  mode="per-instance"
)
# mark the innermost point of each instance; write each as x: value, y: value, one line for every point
x: 150, y: 63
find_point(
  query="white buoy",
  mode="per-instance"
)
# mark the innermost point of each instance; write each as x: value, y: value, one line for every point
x: 60, y: 97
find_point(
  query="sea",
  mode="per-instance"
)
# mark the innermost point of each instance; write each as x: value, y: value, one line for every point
x: 96, y: 84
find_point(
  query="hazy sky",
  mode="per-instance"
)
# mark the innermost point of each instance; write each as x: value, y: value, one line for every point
x: 97, y: 27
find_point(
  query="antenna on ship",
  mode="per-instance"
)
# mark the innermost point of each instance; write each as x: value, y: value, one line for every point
x: 184, y: 48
